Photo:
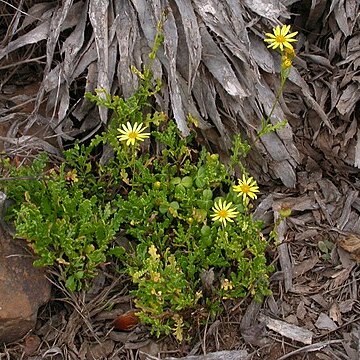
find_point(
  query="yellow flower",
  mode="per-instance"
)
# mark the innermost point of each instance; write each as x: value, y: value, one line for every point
x: 286, y: 62
x: 246, y: 188
x: 132, y: 133
x: 281, y: 37
x: 227, y: 285
x: 287, y: 57
x: 289, y: 53
x: 223, y: 212
x: 71, y: 176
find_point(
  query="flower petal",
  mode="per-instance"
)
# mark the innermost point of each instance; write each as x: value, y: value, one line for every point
x: 270, y: 36
x: 285, y: 29
x: 291, y: 35
x: 277, y: 30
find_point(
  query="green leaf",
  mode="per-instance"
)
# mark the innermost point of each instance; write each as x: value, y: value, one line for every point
x: 118, y: 252
x: 71, y: 283
x: 207, y: 194
x: 187, y: 181
x: 79, y: 275
x: 163, y: 208
x: 176, y: 181
x: 322, y: 246
x: 330, y: 245
x: 205, y: 204
x: 206, y: 230
x: 97, y: 257
x: 200, y: 178
x: 200, y: 215
x: 180, y: 192
x: 174, y: 205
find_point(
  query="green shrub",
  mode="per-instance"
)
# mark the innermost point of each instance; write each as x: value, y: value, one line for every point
x: 176, y: 205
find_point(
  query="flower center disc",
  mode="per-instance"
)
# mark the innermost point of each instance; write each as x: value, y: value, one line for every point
x: 223, y: 213
x: 280, y: 39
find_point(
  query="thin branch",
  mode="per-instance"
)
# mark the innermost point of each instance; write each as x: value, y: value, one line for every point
x: 309, y: 348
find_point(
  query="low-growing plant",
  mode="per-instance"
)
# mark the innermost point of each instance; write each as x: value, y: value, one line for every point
x: 190, y: 239
x: 184, y: 214
x: 62, y: 220
x: 326, y: 247
x: 280, y: 40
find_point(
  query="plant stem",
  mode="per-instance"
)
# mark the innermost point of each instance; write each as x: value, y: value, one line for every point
x: 265, y: 122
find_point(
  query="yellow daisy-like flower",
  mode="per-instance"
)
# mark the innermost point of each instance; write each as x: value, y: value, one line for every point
x: 132, y: 133
x: 223, y: 212
x: 246, y: 188
x: 281, y: 37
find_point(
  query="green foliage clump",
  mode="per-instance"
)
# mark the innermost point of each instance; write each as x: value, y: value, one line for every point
x: 63, y: 224
x: 161, y: 195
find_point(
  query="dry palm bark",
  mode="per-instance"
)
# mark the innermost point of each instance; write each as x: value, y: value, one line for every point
x: 214, y: 66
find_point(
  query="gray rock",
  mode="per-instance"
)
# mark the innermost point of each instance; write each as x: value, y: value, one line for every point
x: 23, y: 289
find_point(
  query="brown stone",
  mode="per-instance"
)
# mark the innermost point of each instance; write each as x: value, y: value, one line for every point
x: 23, y: 289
